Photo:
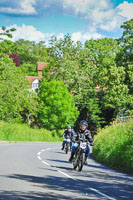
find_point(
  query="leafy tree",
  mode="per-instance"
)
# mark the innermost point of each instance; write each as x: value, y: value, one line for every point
x: 84, y: 68
x: 124, y: 59
x: 126, y: 43
x: 30, y: 53
x: 15, y: 99
x: 29, y: 69
x: 6, y: 32
x: 57, y: 108
x: 125, y: 56
x: 7, y: 46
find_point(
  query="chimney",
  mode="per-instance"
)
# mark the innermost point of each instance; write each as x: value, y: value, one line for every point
x: 40, y: 66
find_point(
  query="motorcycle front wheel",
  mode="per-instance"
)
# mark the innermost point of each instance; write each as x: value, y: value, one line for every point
x: 81, y: 161
x: 75, y: 162
x: 66, y: 148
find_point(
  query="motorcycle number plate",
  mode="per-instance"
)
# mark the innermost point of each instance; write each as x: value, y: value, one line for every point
x: 83, y: 145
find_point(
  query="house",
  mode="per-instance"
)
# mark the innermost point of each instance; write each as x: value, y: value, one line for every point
x: 34, y: 81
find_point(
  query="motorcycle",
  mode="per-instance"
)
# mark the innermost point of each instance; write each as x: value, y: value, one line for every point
x: 67, y: 145
x: 79, y: 156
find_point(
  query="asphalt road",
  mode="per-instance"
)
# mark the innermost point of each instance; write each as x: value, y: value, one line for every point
x: 41, y: 171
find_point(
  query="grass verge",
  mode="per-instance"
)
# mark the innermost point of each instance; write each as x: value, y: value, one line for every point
x: 22, y: 132
x: 114, y: 146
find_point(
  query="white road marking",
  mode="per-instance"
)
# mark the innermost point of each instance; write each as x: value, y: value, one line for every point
x: 39, y: 153
x: 67, y: 175
x: 45, y: 163
x: 39, y: 157
x: 97, y: 191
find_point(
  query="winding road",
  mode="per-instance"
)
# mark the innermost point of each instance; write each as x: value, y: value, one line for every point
x: 41, y: 171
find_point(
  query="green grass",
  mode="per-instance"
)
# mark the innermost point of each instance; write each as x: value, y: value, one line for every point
x: 114, y: 146
x: 22, y: 132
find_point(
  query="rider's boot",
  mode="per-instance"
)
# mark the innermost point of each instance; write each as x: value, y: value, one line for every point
x: 71, y: 157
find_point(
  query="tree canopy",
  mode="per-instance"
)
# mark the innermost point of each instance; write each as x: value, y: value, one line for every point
x: 16, y: 102
x: 96, y: 77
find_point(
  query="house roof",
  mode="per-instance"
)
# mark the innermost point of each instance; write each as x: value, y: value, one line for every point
x: 41, y: 65
x: 32, y: 78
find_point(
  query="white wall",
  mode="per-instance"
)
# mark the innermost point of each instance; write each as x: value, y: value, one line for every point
x: 35, y: 84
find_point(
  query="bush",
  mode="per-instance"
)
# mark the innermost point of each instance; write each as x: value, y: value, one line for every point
x: 22, y: 132
x: 114, y: 146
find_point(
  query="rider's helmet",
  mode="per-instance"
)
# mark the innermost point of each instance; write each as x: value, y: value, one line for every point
x: 84, y: 122
x: 68, y: 126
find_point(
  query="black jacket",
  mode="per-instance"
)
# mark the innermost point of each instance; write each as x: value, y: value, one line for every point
x: 67, y: 134
x: 85, y: 136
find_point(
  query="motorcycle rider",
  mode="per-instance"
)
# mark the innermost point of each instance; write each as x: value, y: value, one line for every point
x: 82, y: 134
x: 68, y: 133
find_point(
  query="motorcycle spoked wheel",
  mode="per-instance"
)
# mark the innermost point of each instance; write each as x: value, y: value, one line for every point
x: 66, y: 148
x: 75, y: 161
x: 81, y: 161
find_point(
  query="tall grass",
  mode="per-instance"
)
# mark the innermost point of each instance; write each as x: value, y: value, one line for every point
x: 114, y: 146
x: 21, y: 132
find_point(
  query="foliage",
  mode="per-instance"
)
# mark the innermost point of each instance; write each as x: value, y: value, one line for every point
x: 84, y: 68
x: 15, y: 97
x: 15, y: 58
x: 29, y: 69
x: 30, y: 53
x: 57, y: 108
x: 6, y: 32
x: 21, y: 132
x: 7, y: 46
x: 98, y: 74
x: 126, y: 42
x: 125, y: 56
x: 114, y: 146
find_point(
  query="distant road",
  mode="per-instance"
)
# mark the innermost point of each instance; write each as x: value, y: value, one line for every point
x: 41, y: 171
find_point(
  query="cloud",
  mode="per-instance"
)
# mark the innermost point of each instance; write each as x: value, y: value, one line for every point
x: 30, y: 33
x: 108, y: 20
x: 79, y: 36
x: 100, y: 14
x: 85, y: 7
x: 126, y: 10
x: 25, y: 7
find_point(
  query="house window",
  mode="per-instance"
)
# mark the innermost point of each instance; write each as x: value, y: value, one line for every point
x: 35, y: 85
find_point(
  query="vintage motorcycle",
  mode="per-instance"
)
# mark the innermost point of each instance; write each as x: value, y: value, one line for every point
x: 79, y: 156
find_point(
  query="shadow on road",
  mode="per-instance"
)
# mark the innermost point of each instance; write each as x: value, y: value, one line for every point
x: 66, y: 185
x: 9, y: 195
x: 61, y: 161
x: 55, y: 188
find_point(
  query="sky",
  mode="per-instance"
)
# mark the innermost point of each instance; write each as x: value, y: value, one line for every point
x: 38, y: 20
